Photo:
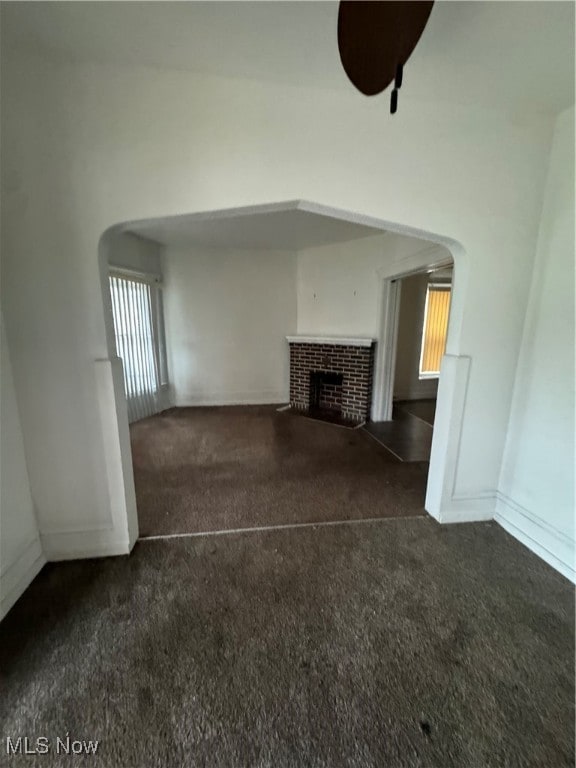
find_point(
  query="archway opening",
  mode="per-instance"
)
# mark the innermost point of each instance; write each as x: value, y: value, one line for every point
x: 238, y: 286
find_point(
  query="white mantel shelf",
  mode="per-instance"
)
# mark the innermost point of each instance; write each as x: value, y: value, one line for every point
x: 341, y: 341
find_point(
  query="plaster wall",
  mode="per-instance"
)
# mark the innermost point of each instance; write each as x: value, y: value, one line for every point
x: 536, y: 490
x: 227, y: 314
x: 87, y: 146
x: 127, y: 251
x: 21, y: 555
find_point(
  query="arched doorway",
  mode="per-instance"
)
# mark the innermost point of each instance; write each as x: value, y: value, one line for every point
x: 434, y: 250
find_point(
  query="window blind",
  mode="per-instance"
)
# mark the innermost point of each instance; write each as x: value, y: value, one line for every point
x: 136, y: 344
x: 435, y: 329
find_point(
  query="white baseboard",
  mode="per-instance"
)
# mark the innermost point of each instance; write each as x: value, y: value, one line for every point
x: 232, y: 398
x: 17, y: 576
x: 552, y: 545
x: 467, y: 509
x: 77, y: 545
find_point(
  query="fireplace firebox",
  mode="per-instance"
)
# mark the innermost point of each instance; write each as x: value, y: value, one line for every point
x: 325, y: 391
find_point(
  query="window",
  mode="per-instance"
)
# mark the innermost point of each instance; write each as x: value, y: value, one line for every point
x: 435, y: 328
x: 139, y: 332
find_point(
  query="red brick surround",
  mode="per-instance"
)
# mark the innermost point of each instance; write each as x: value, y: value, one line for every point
x: 355, y: 363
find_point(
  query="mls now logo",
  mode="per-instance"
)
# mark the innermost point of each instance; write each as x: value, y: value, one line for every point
x: 26, y: 746
x: 23, y: 745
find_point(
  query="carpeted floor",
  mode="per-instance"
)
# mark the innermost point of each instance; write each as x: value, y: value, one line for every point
x: 391, y: 643
x: 209, y: 469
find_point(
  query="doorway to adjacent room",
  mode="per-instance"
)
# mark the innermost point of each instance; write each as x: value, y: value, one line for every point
x: 420, y: 317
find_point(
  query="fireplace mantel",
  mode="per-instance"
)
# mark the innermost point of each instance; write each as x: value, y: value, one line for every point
x: 338, y: 341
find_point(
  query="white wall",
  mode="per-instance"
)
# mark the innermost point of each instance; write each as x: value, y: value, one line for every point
x: 227, y: 315
x: 228, y: 312
x: 340, y: 289
x: 340, y: 285
x: 407, y: 384
x: 536, y: 499
x: 138, y: 254
x: 21, y: 555
x: 88, y: 146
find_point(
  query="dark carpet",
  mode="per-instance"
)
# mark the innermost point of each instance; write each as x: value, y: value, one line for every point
x: 209, y: 469
x: 384, y: 644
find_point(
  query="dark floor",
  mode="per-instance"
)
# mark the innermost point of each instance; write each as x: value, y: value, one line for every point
x: 374, y: 645
x: 330, y: 415
x: 210, y: 469
x: 422, y: 409
x: 409, y: 435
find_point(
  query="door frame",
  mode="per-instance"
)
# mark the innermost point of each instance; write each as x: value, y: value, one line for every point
x: 390, y: 296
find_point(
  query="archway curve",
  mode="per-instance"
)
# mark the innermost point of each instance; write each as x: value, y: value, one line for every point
x: 444, y: 458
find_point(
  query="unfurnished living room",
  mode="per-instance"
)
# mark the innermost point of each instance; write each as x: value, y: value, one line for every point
x: 287, y: 384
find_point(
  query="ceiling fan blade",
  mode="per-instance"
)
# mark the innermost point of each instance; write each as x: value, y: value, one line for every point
x: 375, y: 38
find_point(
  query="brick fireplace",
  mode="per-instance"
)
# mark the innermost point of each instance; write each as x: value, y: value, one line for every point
x: 332, y: 375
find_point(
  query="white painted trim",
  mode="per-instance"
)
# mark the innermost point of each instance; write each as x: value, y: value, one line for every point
x: 115, y: 438
x: 283, y: 527
x: 106, y: 528
x: 385, y: 358
x: 15, y: 557
x: 441, y: 496
x: 74, y: 545
x: 468, y: 509
x: 546, y: 541
x: 430, y: 257
x: 338, y: 341
x: 18, y: 575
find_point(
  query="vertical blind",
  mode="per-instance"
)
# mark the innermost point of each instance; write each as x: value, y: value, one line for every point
x: 435, y: 329
x: 132, y: 307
